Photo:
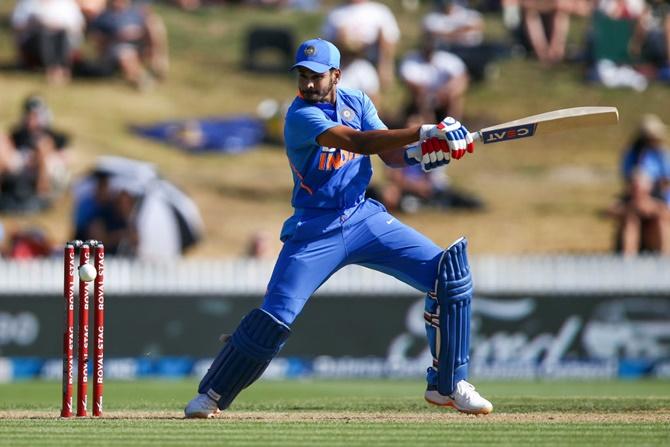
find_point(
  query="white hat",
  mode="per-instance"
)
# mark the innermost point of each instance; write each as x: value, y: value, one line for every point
x: 652, y: 127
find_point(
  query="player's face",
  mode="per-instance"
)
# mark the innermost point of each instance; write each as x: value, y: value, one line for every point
x: 317, y: 87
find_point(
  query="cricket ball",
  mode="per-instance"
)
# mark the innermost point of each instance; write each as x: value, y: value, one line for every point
x: 87, y: 272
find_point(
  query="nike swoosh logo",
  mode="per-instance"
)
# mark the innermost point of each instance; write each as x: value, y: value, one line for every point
x: 388, y: 222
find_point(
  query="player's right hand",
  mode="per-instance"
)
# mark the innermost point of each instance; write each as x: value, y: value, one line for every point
x: 434, y: 153
x: 456, y: 134
x: 458, y: 137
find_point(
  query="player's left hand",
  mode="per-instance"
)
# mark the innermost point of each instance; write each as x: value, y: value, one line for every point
x: 458, y: 137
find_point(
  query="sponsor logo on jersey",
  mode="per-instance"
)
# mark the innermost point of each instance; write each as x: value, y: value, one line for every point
x: 332, y: 158
x: 510, y: 133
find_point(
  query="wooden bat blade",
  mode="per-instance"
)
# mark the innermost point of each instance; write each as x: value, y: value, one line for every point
x: 544, y: 123
x: 549, y: 122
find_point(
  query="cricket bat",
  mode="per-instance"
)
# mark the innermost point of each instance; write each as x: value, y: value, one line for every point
x: 544, y: 123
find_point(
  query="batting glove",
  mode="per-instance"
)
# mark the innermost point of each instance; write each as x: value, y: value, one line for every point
x: 434, y: 153
x: 458, y: 137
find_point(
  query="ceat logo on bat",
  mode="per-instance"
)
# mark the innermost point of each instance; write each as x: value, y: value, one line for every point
x: 509, y: 133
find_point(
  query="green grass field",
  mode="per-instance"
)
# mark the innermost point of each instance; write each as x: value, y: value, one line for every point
x: 345, y: 413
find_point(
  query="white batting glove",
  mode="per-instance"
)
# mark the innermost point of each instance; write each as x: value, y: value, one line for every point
x: 434, y: 152
x: 458, y: 137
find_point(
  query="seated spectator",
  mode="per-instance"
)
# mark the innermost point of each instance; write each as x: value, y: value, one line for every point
x: 368, y: 29
x: 34, y: 166
x: 643, y: 214
x: 460, y: 31
x: 437, y: 81
x: 47, y: 34
x: 136, y: 213
x: 358, y: 73
x: 452, y: 24
x: 105, y: 216
x: 410, y: 189
x: 545, y: 28
x: 617, y: 35
x: 131, y: 39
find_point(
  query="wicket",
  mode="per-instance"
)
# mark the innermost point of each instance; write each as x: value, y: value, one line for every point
x: 85, y: 248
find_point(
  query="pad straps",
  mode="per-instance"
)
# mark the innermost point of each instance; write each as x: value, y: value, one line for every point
x: 244, y: 358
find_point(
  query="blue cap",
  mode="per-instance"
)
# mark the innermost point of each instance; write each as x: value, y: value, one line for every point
x: 318, y: 55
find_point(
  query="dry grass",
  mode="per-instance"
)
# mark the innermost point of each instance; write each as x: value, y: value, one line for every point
x: 542, y: 195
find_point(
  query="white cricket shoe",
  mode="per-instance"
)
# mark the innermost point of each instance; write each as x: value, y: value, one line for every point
x: 464, y: 399
x: 201, y: 407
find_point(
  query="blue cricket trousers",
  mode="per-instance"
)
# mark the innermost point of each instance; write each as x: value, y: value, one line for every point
x: 323, y: 244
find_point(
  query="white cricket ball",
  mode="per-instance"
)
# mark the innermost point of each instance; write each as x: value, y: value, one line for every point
x: 87, y: 272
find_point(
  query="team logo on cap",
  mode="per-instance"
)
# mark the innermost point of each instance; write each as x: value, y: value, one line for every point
x: 347, y: 114
x: 310, y: 51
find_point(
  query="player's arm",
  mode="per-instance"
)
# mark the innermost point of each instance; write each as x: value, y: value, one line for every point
x: 390, y: 145
x: 369, y: 142
x: 439, y: 143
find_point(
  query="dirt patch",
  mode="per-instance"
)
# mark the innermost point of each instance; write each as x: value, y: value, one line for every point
x: 376, y: 417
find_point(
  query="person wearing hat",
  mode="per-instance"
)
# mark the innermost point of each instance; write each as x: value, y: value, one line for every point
x: 330, y: 135
x: 643, y: 214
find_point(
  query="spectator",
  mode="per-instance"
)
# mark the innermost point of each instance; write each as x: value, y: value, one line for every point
x: 368, y: 29
x: 358, y: 73
x: 131, y: 39
x: 617, y: 35
x: 643, y: 214
x: 47, y: 34
x: 452, y: 24
x: 127, y: 205
x: 106, y: 215
x: 545, y: 28
x: 460, y: 31
x: 35, y: 165
x: 411, y: 189
x: 437, y: 81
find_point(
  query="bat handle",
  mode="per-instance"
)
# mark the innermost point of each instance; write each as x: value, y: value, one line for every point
x: 413, y: 153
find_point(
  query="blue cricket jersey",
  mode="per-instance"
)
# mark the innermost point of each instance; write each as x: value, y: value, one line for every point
x: 654, y: 163
x: 327, y: 180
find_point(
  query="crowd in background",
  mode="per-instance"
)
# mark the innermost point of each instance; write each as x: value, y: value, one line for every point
x: 128, y: 38
x: 627, y: 44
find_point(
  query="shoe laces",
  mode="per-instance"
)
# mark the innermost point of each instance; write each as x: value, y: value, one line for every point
x: 467, y: 390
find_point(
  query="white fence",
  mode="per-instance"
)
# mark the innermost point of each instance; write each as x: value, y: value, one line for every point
x: 492, y: 274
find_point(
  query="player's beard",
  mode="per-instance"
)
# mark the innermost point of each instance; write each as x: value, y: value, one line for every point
x: 316, y: 95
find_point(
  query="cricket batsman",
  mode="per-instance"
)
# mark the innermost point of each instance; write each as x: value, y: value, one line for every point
x: 330, y: 134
